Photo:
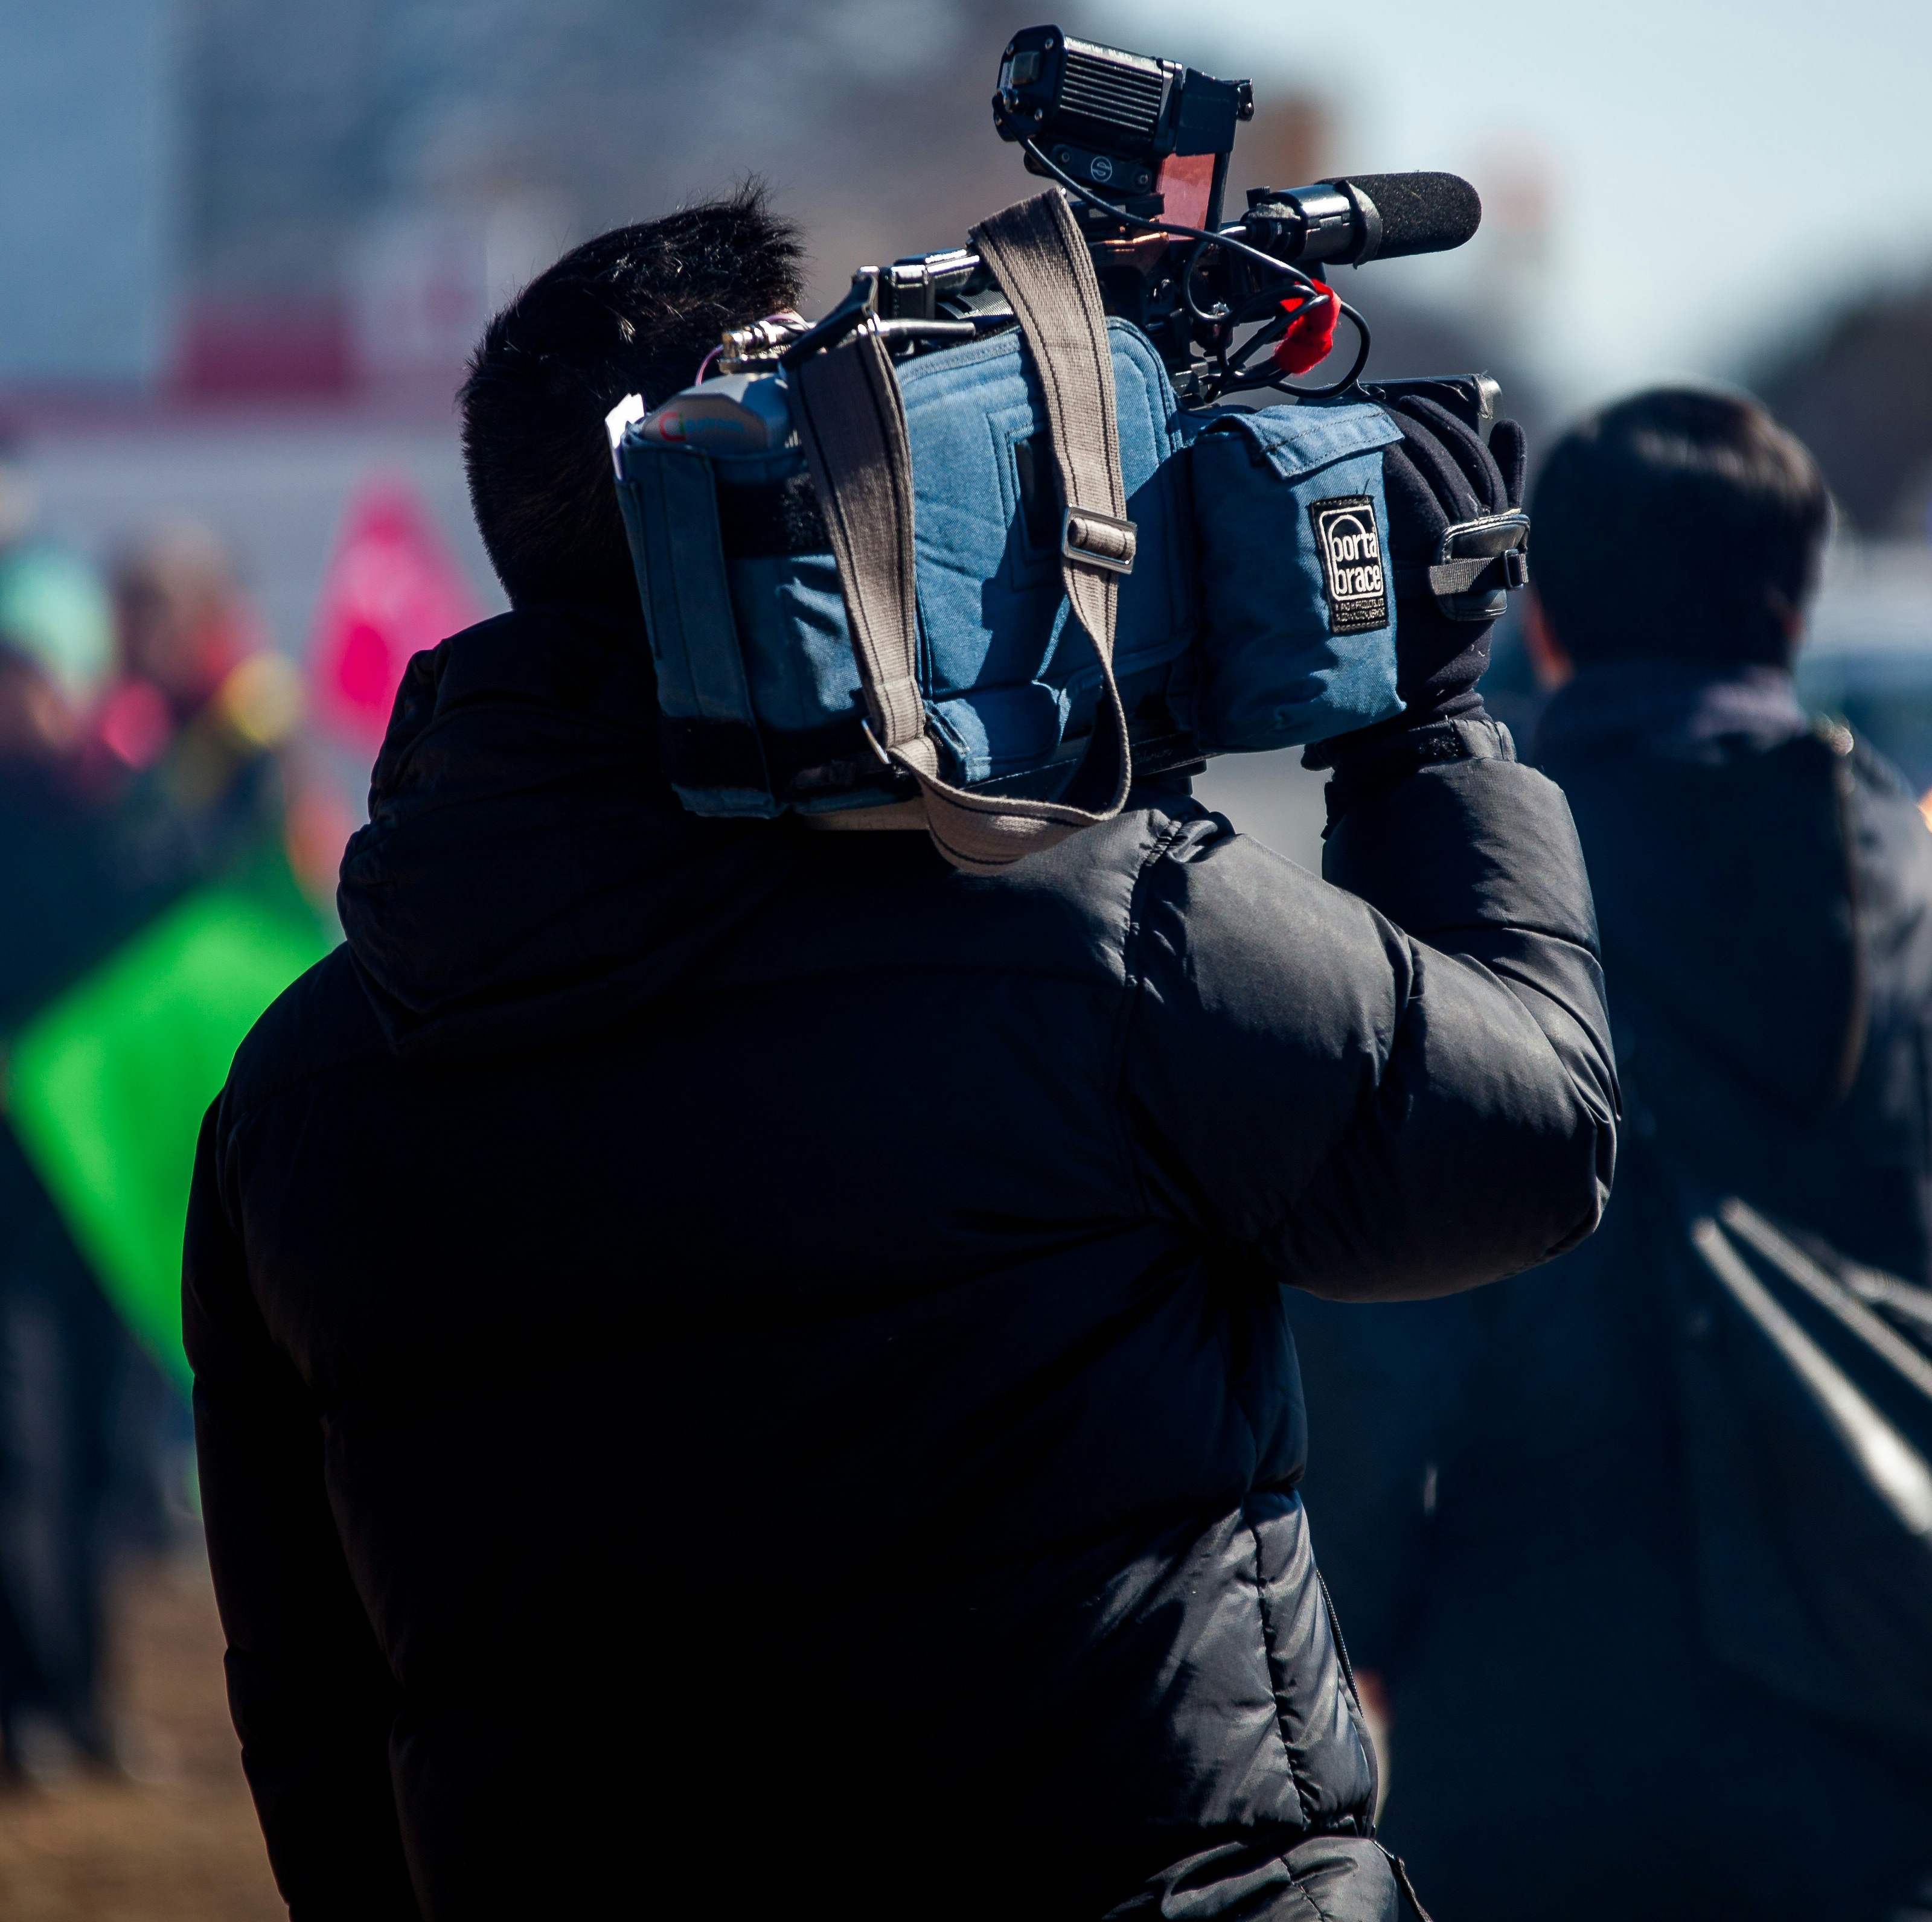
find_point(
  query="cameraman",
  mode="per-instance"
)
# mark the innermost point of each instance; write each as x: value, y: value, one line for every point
x: 741, y: 1368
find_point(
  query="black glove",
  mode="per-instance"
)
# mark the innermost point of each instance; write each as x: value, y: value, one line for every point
x: 1442, y: 473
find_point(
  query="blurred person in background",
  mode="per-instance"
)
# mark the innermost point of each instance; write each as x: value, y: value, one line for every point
x: 83, y: 1410
x: 145, y: 855
x: 213, y: 711
x: 1509, y: 1522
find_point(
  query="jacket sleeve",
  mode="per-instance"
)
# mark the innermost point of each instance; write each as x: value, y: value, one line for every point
x: 311, y: 1695
x: 1393, y: 1085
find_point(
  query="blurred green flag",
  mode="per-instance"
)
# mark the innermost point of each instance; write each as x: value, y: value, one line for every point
x: 107, y: 1087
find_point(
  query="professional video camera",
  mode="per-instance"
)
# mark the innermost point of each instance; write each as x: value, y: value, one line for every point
x: 1143, y: 145
x: 909, y: 465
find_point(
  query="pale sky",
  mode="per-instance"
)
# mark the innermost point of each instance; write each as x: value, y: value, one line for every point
x: 1720, y: 173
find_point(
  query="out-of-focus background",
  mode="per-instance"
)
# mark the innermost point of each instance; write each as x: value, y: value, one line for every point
x: 244, y: 248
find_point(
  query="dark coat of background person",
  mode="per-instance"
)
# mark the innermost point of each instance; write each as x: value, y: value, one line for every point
x: 1505, y: 1511
x: 739, y: 1368
x: 81, y: 1407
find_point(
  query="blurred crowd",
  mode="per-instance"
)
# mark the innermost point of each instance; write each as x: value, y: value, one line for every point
x: 150, y: 748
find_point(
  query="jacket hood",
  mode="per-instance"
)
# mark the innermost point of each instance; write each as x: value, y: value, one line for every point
x: 527, y: 875
x: 1714, y: 819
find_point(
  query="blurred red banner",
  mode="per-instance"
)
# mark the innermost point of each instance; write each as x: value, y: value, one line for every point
x: 390, y: 588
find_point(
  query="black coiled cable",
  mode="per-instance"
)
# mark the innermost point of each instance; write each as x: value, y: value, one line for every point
x: 1290, y: 277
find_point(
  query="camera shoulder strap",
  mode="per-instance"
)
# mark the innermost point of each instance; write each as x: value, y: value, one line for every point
x: 853, y: 424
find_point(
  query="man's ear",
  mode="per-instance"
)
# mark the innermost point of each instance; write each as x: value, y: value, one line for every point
x: 1547, y: 654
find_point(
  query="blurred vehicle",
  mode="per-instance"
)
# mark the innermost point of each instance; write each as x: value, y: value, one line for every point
x: 1868, y: 657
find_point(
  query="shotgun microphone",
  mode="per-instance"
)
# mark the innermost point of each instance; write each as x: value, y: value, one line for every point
x: 1364, y: 216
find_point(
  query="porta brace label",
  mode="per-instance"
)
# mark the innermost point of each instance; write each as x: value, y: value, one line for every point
x: 1351, y: 546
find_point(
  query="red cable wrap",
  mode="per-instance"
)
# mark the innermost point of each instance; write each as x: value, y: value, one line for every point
x: 1310, y: 337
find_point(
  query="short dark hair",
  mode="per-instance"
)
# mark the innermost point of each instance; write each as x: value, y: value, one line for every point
x: 1681, y: 522
x: 633, y: 311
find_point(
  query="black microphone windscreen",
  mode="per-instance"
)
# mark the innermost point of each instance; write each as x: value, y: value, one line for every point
x: 1422, y: 213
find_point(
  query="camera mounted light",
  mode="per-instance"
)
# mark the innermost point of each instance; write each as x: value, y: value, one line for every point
x: 1126, y: 125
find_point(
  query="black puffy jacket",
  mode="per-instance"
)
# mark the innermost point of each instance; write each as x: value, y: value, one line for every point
x: 739, y: 1367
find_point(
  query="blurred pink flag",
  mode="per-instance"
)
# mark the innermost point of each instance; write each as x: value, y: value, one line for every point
x: 390, y: 589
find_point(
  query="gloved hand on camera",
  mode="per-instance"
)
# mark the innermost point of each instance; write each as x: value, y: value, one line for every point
x: 1439, y: 475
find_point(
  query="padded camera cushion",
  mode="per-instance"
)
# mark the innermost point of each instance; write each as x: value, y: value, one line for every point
x: 1291, y: 518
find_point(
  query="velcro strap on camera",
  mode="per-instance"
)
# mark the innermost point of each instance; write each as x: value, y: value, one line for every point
x: 1477, y: 563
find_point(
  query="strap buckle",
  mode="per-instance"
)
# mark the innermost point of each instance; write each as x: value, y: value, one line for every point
x: 1098, y: 540
x: 1479, y: 563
